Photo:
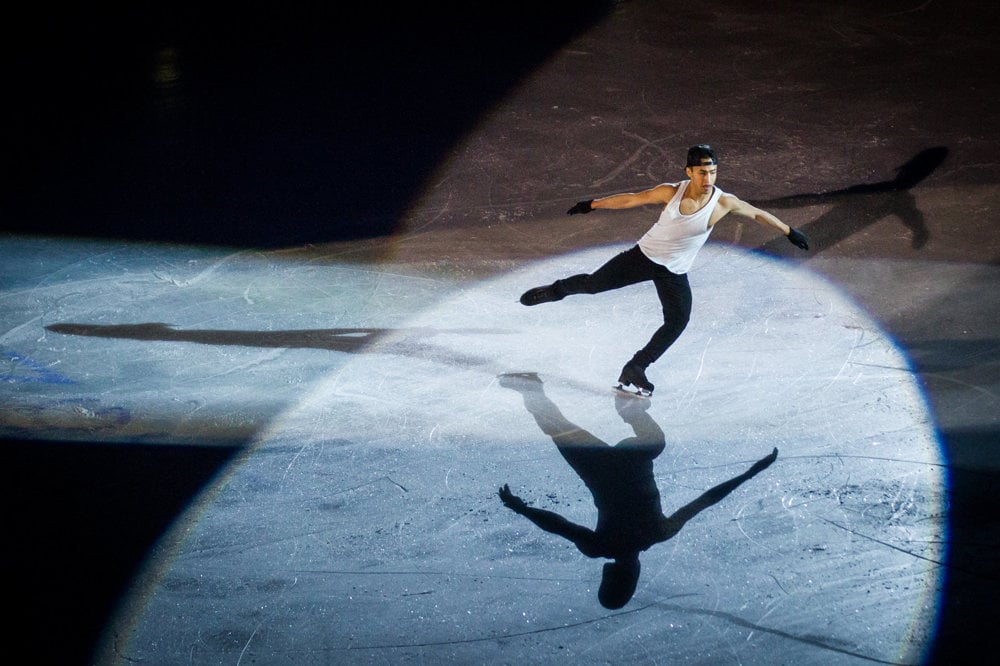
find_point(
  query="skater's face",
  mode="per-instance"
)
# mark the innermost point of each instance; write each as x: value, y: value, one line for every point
x: 703, y: 177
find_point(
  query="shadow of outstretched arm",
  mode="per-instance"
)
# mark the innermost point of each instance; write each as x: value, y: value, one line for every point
x: 857, y: 207
x: 549, y: 521
x: 717, y: 493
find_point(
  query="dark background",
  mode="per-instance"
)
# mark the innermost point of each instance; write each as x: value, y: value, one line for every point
x: 286, y: 116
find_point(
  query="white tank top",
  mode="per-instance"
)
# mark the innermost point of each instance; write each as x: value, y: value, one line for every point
x: 675, y: 239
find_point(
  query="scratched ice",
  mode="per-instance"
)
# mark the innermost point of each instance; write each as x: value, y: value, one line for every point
x: 365, y: 523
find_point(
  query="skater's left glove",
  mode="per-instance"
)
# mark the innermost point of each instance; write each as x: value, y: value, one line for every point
x: 581, y: 207
x: 511, y: 500
x: 798, y: 238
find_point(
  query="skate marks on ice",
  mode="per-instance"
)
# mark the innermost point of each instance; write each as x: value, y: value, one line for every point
x: 629, y: 516
x: 365, y: 525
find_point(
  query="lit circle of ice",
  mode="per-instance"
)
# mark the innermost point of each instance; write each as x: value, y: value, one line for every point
x: 365, y: 523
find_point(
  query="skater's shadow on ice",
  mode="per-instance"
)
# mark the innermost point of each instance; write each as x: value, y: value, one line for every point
x: 630, y: 516
x: 410, y: 342
x: 860, y: 206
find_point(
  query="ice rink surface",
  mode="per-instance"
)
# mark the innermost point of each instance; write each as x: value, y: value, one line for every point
x: 284, y: 440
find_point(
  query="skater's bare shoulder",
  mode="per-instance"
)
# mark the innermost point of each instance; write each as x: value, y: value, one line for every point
x: 663, y: 192
x: 659, y: 195
x: 730, y: 203
x: 733, y: 204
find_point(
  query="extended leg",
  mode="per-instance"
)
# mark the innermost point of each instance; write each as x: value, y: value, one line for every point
x: 625, y: 268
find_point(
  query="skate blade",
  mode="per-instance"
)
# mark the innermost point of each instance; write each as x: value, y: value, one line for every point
x: 634, y: 392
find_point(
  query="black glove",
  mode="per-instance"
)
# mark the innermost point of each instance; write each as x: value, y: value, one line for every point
x: 581, y: 207
x: 798, y: 238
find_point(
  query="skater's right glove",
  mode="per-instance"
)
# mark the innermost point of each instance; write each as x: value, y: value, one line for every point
x: 798, y: 239
x: 581, y: 207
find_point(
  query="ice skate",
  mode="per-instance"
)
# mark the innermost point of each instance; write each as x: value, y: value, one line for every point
x: 546, y: 294
x: 633, y: 381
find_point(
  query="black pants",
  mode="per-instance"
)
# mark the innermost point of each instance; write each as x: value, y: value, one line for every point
x: 632, y: 267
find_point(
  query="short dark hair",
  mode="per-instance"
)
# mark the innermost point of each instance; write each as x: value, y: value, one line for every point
x: 697, y: 155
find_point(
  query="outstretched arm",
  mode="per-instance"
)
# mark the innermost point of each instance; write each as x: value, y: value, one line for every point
x: 659, y: 195
x: 732, y: 204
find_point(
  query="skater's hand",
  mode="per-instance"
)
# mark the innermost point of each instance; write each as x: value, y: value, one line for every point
x: 581, y: 207
x: 798, y: 238
x: 511, y: 500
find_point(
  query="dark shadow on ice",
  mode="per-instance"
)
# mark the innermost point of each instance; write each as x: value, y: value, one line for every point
x: 860, y: 206
x: 630, y: 516
x: 951, y: 355
x: 401, y: 341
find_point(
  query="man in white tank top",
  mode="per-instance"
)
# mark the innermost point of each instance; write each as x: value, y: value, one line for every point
x: 664, y: 254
